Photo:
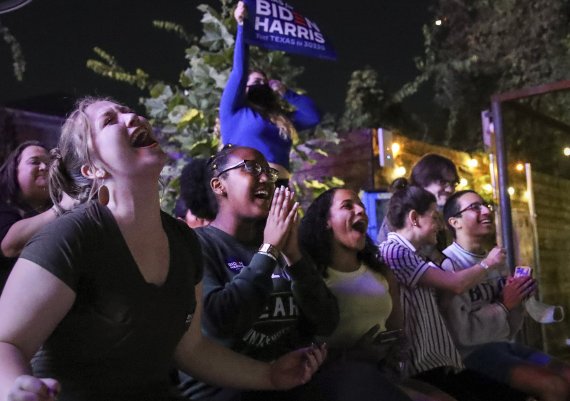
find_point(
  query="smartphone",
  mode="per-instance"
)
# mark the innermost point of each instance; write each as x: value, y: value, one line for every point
x: 389, y: 336
x: 522, y: 271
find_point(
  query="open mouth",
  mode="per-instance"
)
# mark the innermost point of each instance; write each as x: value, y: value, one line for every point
x: 485, y: 221
x: 361, y: 226
x: 262, y: 194
x: 142, y: 138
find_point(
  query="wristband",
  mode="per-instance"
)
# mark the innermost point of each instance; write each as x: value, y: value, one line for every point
x: 270, y: 250
x: 483, y: 264
x: 502, y: 305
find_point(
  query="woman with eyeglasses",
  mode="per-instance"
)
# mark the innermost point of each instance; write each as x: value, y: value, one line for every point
x: 262, y: 298
x: 250, y: 110
x: 415, y: 219
x: 108, y: 296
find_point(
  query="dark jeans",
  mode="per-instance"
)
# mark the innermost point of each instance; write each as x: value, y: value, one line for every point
x: 470, y: 386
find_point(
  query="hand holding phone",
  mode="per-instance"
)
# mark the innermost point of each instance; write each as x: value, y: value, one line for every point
x: 523, y: 271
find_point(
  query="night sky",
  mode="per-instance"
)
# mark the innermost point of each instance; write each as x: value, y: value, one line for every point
x: 57, y: 37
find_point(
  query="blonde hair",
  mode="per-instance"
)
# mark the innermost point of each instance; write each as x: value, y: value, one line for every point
x: 276, y: 115
x: 281, y: 121
x: 71, y: 154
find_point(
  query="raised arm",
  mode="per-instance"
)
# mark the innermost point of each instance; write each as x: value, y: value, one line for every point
x: 212, y: 363
x: 306, y: 114
x: 233, y: 96
x: 28, y: 318
x: 458, y: 282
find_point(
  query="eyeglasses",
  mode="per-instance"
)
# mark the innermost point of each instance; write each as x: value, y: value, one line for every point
x: 254, y: 168
x: 476, y: 207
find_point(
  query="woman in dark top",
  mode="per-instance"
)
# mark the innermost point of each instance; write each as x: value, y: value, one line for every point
x: 261, y: 297
x: 113, y: 289
x: 24, y: 201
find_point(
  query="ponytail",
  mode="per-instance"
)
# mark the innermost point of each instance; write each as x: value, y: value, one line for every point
x: 71, y: 154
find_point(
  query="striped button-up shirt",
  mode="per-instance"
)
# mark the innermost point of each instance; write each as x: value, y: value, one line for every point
x: 431, y: 343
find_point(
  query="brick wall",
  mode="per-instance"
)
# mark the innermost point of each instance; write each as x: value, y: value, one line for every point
x: 553, y: 224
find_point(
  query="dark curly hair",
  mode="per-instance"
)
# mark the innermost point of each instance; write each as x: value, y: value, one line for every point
x: 315, y: 238
x: 195, y: 191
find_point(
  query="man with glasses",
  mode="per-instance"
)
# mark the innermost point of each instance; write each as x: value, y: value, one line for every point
x: 484, y: 320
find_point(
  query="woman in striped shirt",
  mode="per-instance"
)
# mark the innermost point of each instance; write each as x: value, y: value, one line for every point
x: 414, y: 217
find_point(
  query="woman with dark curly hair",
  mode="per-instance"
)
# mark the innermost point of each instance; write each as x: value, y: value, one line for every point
x: 333, y: 233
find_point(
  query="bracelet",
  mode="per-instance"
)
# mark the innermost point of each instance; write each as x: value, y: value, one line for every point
x: 483, y: 264
x: 269, y: 250
x: 502, y: 305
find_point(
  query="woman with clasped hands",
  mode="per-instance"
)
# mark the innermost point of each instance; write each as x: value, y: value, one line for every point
x: 262, y: 298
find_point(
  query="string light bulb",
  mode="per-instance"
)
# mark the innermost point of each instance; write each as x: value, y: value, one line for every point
x: 519, y: 167
x: 472, y: 163
x: 396, y: 149
x: 511, y: 191
x: 566, y: 151
x: 400, y: 171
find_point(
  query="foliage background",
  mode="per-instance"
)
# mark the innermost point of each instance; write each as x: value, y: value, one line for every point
x: 185, y: 113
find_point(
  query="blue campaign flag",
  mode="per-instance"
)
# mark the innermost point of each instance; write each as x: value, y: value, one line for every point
x: 276, y: 25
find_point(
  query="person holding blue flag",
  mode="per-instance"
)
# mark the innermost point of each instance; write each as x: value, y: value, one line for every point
x: 250, y: 112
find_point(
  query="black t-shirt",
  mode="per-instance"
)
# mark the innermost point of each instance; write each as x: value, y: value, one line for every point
x: 8, y: 216
x: 118, y: 339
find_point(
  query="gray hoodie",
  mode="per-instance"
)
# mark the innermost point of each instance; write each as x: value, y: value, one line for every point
x: 477, y: 316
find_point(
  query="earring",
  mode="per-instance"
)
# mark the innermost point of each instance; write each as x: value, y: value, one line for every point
x: 415, y: 223
x: 103, y: 193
